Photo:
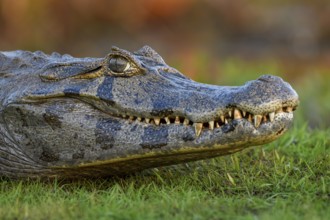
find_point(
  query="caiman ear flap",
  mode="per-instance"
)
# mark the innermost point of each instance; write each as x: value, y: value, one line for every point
x: 81, y: 69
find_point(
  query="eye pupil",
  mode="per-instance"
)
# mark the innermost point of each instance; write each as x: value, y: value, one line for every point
x: 118, y: 64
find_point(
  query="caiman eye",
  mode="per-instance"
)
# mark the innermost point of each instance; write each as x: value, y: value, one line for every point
x: 119, y: 64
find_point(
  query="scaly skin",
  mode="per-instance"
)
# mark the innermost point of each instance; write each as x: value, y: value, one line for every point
x: 71, y: 117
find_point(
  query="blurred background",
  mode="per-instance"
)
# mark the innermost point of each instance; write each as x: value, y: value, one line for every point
x: 225, y: 42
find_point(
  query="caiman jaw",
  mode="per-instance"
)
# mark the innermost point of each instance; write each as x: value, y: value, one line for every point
x: 218, y: 122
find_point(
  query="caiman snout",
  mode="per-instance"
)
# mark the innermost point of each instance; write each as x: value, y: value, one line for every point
x: 265, y: 95
x: 257, y: 101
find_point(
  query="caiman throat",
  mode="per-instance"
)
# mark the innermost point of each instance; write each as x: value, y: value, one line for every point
x: 69, y: 117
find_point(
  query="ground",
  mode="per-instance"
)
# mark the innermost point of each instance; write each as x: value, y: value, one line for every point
x: 287, y: 179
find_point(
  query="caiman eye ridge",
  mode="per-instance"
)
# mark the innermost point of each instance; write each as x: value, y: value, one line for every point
x: 223, y: 119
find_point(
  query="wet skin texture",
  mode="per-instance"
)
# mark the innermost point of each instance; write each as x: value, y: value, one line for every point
x: 71, y: 117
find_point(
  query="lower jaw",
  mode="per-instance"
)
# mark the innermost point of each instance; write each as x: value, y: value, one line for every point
x: 134, y: 163
x: 199, y: 149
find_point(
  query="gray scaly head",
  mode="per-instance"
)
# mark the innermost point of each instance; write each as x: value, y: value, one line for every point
x: 72, y: 117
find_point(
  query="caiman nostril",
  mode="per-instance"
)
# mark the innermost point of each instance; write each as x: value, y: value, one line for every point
x: 270, y: 78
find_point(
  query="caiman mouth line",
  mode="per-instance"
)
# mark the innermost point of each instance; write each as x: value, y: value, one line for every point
x: 223, y: 119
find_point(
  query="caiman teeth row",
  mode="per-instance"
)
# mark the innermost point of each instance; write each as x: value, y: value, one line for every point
x: 223, y: 119
x: 158, y: 121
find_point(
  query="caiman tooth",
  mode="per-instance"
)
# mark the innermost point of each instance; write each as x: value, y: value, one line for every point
x: 271, y: 116
x: 279, y: 110
x: 198, y: 128
x: 177, y: 120
x: 123, y: 115
x: 131, y: 118
x: 157, y: 121
x: 226, y: 121
x: 217, y: 125
x: 230, y: 113
x: 167, y: 120
x: 139, y: 119
x: 264, y: 118
x: 257, y: 120
x: 244, y: 113
x: 186, y: 121
x: 237, y: 114
x: 250, y: 118
x: 147, y: 120
x: 211, y: 125
x: 289, y: 109
x: 222, y: 118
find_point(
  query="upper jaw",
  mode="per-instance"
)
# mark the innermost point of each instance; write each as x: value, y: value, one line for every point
x: 223, y: 110
x: 223, y: 118
x: 211, y: 107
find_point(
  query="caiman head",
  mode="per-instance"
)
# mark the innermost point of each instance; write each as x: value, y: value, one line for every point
x: 131, y: 111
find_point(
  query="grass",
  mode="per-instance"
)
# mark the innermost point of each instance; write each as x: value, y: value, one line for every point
x: 287, y: 179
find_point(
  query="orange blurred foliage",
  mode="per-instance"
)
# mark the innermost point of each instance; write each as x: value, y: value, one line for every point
x: 288, y: 31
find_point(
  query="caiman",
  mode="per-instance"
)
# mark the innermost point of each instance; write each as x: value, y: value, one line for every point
x: 66, y: 117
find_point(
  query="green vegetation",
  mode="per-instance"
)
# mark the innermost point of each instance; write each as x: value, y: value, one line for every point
x: 287, y: 179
